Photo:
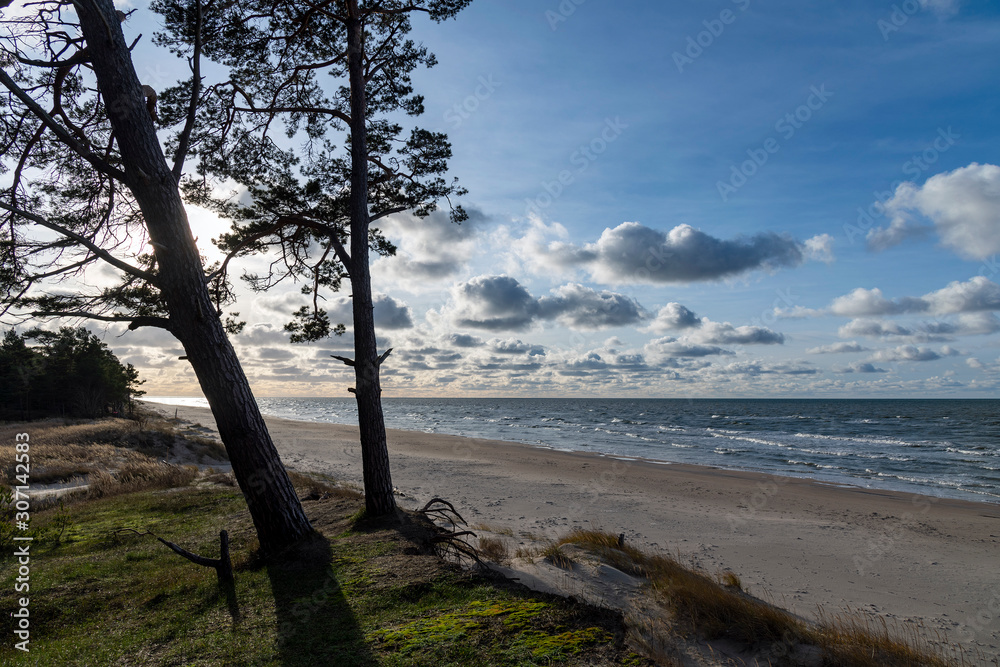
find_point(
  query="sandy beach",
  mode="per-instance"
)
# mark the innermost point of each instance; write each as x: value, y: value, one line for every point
x: 802, y: 544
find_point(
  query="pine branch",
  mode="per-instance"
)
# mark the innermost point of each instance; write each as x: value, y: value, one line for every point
x: 62, y: 133
x: 82, y: 240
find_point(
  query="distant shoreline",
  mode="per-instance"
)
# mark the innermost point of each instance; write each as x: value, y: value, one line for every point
x: 922, y: 449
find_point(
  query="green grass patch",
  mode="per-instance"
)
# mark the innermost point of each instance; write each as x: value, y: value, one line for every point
x: 364, y: 592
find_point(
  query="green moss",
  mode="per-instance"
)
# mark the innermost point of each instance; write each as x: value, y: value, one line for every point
x: 557, y: 647
x: 518, y: 618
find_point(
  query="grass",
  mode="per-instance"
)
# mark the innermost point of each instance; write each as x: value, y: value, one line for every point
x: 361, y: 592
x: 494, y: 550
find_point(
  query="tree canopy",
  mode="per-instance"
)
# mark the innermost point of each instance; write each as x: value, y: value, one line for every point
x: 66, y: 373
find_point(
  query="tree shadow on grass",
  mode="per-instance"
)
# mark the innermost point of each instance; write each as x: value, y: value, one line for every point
x: 316, y: 625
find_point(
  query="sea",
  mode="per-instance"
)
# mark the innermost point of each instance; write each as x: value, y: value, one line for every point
x: 946, y: 448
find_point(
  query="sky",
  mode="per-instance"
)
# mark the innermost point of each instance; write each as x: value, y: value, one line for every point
x: 677, y: 199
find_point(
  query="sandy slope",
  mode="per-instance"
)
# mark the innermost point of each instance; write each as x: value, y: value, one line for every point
x: 805, y: 544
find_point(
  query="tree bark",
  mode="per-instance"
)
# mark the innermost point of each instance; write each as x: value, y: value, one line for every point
x: 274, y: 506
x: 371, y: 421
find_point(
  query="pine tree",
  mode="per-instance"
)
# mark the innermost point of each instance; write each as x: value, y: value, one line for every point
x: 316, y: 207
x: 89, y: 183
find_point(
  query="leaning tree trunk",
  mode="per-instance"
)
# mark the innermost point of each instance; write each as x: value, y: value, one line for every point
x: 371, y: 422
x: 274, y: 506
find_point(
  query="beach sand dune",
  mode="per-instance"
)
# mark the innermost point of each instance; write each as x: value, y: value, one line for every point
x: 802, y: 544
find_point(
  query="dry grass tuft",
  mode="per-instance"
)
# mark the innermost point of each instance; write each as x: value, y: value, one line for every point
x: 316, y: 487
x: 487, y: 528
x: 494, y: 549
x: 140, y: 476
x: 699, y: 605
x: 731, y: 580
x: 554, y: 555
x: 528, y: 554
x: 861, y: 640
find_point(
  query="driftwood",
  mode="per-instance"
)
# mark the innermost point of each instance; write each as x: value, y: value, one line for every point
x: 223, y: 565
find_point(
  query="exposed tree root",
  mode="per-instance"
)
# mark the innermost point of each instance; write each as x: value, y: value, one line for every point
x: 437, y: 508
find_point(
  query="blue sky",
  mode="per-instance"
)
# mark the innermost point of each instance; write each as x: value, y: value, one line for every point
x: 742, y: 142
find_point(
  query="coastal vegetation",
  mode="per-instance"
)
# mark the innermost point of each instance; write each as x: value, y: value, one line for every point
x: 362, y: 591
x: 69, y: 373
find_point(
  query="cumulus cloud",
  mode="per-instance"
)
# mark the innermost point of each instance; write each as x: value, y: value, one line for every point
x: 911, y: 353
x: 262, y: 334
x: 863, y: 302
x: 702, y: 330
x: 465, y: 340
x: 493, y: 303
x: 501, y: 303
x: 515, y: 346
x: 870, y: 328
x: 390, y: 313
x: 864, y: 367
x: 634, y: 253
x: 580, y: 307
x: 963, y: 206
x: 757, y: 368
x: 724, y: 333
x: 669, y: 347
x: 673, y: 317
x: 838, y: 348
x: 976, y: 295
x: 820, y: 248
x: 978, y: 324
x: 430, y: 248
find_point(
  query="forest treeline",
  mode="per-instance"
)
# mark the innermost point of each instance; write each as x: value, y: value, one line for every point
x: 68, y: 373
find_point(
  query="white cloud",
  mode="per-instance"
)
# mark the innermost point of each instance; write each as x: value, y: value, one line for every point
x: 390, y: 313
x: 673, y: 317
x: 820, y: 248
x: 838, y: 348
x: 976, y: 295
x: 724, y: 333
x: 702, y: 330
x: 911, y: 353
x: 862, y: 302
x: 863, y: 367
x: 428, y: 249
x: 963, y: 205
x: 669, y: 347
